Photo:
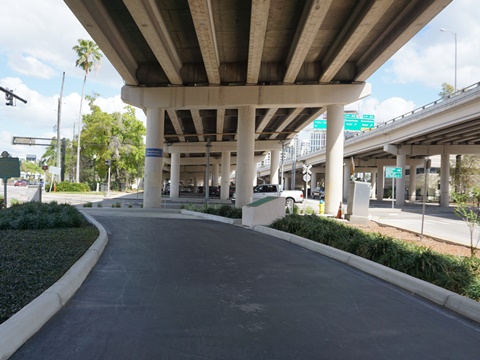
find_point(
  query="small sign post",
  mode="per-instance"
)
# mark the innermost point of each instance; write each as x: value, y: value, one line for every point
x: 393, y: 173
x: 9, y: 167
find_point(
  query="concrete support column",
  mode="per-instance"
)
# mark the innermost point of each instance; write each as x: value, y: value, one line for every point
x: 246, y: 169
x: 274, y: 166
x: 400, y: 183
x: 346, y: 180
x: 287, y: 182
x: 412, y: 186
x: 444, y: 181
x: 334, y: 158
x: 175, y: 175
x: 380, y: 179
x: 373, y: 183
x: 313, y: 180
x: 215, y: 174
x: 225, y: 182
x: 154, y: 158
x: 195, y: 184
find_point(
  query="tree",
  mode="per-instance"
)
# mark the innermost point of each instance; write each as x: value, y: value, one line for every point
x: 466, y: 173
x: 471, y: 216
x: 117, y: 137
x: 89, y: 55
x: 447, y: 90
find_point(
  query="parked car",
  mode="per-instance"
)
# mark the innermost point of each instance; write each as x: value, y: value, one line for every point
x: 20, y: 183
x: 318, y: 193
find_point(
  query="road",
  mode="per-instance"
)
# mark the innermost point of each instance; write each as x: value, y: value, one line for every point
x: 183, y: 288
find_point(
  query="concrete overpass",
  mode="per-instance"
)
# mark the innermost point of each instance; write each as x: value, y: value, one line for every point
x: 448, y: 126
x: 248, y: 73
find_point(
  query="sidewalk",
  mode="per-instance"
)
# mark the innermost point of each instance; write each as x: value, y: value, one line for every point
x: 439, y: 223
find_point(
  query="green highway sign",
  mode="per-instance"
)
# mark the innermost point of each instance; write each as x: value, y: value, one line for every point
x: 393, y: 172
x: 349, y: 116
x: 320, y: 124
x: 370, y: 117
x: 351, y: 124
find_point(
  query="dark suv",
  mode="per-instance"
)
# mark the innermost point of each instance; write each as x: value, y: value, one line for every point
x: 318, y: 192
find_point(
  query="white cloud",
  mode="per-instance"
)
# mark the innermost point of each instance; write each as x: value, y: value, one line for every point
x: 429, y: 59
x: 383, y: 110
x: 29, y: 65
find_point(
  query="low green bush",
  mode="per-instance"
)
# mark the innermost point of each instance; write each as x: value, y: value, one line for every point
x: 225, y: 210
x: 36, y: 215
x: 32, y: 260
x: 65, y: 186
x: 457, y: 274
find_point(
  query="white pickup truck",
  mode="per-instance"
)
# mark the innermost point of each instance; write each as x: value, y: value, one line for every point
x: 264, y: 190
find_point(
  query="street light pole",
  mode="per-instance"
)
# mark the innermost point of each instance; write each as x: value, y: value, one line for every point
x: 94, y: 172
x: 455, y: 38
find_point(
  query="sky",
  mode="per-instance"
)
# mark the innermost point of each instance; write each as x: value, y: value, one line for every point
x: 36, y: 40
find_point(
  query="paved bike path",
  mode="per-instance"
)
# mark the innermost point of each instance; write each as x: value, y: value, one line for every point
x: 169, y: 288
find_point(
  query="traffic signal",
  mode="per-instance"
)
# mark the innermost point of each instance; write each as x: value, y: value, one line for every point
x: 108, y: 163
x: 9, y: 98
x: 45, y: 167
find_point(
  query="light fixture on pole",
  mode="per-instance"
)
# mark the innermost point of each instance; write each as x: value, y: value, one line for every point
x: 455, y: 37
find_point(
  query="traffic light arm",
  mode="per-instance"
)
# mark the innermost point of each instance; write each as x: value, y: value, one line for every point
x: 12, y: 94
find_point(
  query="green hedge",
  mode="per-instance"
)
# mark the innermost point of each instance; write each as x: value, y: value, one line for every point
x: 457, y: 274
x: 32, y: 260
x: 227, y: 211
x: 35, y: 215
x: 66, y: 186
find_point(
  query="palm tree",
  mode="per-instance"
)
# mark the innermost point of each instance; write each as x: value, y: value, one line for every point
x: 89, y: 55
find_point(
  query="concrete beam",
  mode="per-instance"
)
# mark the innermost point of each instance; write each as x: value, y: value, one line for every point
x: 287, y: 121
x: 202, y: 17
x: 172, y: 114
x: 220, y: 121
x: 265, y: 120
x: 199, y: 147
x: 149, y: 20
x: 353, y: 33
x: 396, y: 36
x: 212, y: 97
x: 312, y: 17
x: 96, y: 20
x: 197, y: 122
x: 258, y: 29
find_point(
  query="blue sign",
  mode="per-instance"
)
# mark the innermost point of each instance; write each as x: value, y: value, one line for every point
x: 153, y: 152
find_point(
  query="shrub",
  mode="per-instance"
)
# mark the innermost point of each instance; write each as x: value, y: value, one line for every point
x: 72, y: 187
x: 88, y: 204
x: 35, y: 215
x: 223, y: 210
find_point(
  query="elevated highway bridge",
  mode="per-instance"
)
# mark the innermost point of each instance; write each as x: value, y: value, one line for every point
x: 233, y: 79
x: 448, y: 126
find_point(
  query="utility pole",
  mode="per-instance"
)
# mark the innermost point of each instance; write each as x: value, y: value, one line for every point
x: 59, y: 116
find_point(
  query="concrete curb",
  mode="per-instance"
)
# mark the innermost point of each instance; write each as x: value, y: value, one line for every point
x: 213, y: 217
x: 24, y: 324
x: 445, y: 298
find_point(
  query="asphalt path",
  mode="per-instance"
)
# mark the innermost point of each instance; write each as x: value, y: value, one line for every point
x: 174, y: 287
